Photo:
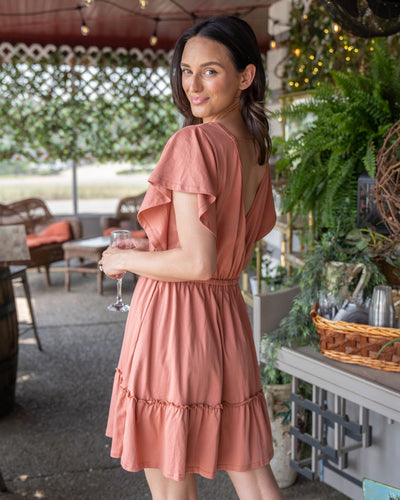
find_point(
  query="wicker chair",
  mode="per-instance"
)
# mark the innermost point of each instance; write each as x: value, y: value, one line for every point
x: 126, y: 215
x: 35, y: 215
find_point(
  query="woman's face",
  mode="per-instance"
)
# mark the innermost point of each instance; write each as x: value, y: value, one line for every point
x: 210, y: 79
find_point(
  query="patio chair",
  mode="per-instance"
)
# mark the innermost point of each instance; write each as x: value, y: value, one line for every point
x: 45, y: 234
x: 125, y: 216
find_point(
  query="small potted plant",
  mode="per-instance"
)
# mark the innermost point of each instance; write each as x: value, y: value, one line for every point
x: 277, y: 389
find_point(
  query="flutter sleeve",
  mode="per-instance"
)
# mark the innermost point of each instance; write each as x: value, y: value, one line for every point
x: 188, y: 165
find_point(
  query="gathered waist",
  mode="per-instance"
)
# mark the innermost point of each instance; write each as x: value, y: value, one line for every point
x: 210, y: 282
x: 218, y: 282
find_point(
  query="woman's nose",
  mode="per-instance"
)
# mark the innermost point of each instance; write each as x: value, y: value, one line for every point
x: 195, y: 83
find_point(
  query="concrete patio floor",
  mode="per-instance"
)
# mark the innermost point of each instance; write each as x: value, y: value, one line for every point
x: 52, y: 445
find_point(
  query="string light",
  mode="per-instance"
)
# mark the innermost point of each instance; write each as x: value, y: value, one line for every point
x: 88, y: 3
x: 336, y: 27
x: 297, y: 52
x: 143, y: 4
x: 272, y: 43
x: 84, y: 29
x: 154, y: 37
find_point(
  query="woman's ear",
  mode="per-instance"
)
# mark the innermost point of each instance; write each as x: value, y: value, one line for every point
x: 248, y: 75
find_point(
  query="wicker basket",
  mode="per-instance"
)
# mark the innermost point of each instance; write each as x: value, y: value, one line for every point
x: 357, y: 344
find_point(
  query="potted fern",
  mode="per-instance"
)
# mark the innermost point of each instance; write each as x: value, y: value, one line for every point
x: 341, y: 128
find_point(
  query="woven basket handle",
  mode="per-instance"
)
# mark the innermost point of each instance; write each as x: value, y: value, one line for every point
x: 314, y: 311
x: 364, y: 277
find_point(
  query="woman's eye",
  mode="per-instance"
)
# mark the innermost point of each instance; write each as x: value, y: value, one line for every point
x: 210, y: 72
x: 185, y: 71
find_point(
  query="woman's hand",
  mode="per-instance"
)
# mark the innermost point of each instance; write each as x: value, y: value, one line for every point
x: 111, y: 261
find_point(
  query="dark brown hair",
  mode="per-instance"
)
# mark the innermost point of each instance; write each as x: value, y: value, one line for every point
x: 239, y: 39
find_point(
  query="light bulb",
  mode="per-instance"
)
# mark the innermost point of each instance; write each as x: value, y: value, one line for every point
x: 336, y: 28
x: 153, y: 39
x: 84, y: 29
x: 88, y: 3
x: 273, y: 43
x: 143, y: 4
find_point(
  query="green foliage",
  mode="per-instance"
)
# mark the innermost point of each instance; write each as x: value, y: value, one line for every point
x: 271, y: 375
x: 53, y: 111
x: 347, y: 121
x: 13, y: 167
x: 315, y: 49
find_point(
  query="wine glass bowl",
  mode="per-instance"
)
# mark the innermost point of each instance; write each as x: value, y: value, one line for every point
x: 120, y: 238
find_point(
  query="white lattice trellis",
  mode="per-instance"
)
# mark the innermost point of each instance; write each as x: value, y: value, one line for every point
x: 72, y: 103
x: 86, y: 73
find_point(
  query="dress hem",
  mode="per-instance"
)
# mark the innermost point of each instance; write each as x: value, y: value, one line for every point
x: 194, y: 469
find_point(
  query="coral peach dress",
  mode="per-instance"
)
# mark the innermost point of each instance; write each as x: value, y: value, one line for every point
x: 187, y: 394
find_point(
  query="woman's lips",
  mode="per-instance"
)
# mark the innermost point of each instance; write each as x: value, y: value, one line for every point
x: 196, y: 101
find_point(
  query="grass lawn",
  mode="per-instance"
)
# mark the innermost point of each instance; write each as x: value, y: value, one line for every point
x: 94, y: 182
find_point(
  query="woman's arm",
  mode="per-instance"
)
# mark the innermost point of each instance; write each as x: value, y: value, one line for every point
x: 195, y: 259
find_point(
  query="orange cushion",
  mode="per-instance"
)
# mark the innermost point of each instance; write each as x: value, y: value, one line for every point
x: 134, y: 234
x: 54, y: 233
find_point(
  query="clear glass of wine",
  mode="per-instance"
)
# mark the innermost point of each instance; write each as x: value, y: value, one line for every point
x: 120, y: 238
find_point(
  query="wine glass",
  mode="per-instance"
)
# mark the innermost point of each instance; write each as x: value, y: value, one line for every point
x: 119, y: 238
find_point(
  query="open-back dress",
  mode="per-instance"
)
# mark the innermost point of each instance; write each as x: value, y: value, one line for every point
x: 187, y: 393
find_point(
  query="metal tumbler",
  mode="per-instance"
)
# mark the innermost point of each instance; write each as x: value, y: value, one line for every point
x: 381, y: 309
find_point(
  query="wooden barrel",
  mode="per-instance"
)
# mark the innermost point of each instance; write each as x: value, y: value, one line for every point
x: 8, y: 343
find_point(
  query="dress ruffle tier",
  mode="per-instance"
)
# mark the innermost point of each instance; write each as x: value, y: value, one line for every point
x: 197, y: 437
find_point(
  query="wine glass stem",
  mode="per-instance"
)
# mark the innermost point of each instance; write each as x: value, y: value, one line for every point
x: 119, y: 290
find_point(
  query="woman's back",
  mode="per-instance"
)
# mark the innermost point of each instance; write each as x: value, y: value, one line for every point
x: 252, y: 172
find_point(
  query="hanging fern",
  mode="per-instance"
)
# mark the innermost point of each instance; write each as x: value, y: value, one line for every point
x: 341, y: 126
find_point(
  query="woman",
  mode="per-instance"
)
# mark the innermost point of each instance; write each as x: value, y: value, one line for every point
x: 187, y: 395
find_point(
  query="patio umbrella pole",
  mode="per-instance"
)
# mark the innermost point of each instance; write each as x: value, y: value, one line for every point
x: 74, y: 187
